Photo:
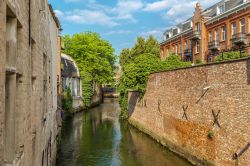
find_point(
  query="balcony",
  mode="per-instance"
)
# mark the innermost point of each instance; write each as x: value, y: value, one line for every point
x: 187, y: 55
x: 239, y: 39
x: 196, y: 35
x: 214, y: 45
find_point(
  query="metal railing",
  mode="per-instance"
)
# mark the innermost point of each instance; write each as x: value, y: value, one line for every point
x: 196, y: 35
x: 239, y: 39
x: 187, y: 55
x: 214, y: 45
x: 233, y: 53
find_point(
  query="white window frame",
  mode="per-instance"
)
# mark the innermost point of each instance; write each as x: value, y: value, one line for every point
x: 197, y: 47
x: 217, y: 35
x: 220, y: 9
x: 223, y: 33
x: 243, y: 26
x: 198, y: 26
x: 234, y: 28
x: 210, y: 36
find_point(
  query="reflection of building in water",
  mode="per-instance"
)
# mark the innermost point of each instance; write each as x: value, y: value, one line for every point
x: 77, y: 126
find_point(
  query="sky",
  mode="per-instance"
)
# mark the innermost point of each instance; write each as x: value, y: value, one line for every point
x: 122, y: 21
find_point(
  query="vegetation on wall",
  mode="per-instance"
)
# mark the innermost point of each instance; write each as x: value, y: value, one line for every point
x: 95, y: 59
x: 67, y: 102
x: 137, y: 63
x: 230, y: 56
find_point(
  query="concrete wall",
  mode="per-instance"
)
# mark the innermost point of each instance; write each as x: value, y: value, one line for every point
x: 31, y: 118
x: 200, y: 91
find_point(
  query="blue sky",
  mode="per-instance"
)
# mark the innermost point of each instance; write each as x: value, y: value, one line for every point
x: 121, y: 21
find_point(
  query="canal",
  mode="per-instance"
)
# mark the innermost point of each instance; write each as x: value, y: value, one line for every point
x: 98, y: 138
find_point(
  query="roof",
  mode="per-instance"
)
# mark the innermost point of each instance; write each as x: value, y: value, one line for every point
x: 69, y: 67
x: 210, y: 12
x: 54, y: 17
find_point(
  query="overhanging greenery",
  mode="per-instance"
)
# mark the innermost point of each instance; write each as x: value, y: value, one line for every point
x: 95, y: 59
x: 137, y: 64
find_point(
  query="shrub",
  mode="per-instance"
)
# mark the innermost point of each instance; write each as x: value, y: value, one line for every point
x: 67, y: 102
x: 230, y: 56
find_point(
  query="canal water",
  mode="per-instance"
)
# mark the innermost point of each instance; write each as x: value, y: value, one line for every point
x: 98, y: 138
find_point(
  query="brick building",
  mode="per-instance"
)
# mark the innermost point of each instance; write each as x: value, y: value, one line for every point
x: 223, y: 27
x: 28, y: 90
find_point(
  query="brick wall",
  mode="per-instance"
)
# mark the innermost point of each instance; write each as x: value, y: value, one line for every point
x: 200, y: 91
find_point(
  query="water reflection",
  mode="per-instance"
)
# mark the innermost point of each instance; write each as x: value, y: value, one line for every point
x: 98, y: 138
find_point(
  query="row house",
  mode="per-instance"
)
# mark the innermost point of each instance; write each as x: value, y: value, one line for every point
x: 223, y: 27
x: 29, y: 33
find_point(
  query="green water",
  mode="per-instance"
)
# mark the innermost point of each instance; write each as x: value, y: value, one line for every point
x: 98, y: 138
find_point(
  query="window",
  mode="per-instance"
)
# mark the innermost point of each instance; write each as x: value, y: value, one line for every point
x: 210, y: 36
x: 186, y: 45
x: 198, y: 27
x: 221, y: 9
x: 234, y: 28
x: 78, y: 87
x: 197, y: 47
x: 242, y: 26
x: 176, y: 49
x: 217, y: 37
x: 223, y: 31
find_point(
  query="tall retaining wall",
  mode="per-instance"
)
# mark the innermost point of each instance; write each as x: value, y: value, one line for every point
x: 202, y: 112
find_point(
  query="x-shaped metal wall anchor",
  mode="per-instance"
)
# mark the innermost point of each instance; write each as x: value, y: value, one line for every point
x: 216, y: 117
x: 185, y: 112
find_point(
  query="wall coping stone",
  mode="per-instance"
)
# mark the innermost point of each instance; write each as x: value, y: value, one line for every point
x: 204, y: 65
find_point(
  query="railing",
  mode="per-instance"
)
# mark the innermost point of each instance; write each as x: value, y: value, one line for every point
x: 196, y: 35
x: 187, y: 55
x: 224, y: 55
x: 214, y: 45
x: 239, y: 39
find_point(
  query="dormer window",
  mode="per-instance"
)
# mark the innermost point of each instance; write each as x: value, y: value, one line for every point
x: 167, y: 36
x: 220, y: 9
x: 175, y: 31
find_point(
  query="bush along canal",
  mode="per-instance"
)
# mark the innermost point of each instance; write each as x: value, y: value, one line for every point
x: 98, y: 138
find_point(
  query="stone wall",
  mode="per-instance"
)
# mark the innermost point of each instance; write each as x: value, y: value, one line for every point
x: 30, y: 125
x: 202, y: 112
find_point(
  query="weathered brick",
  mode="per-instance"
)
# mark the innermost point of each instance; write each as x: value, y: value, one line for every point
x: 199, y: 90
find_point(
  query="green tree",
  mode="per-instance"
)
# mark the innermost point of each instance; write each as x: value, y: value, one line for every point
x: 138, y: 63
x: 94, y: 57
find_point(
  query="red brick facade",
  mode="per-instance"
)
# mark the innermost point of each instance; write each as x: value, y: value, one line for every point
x: 223, y: 32
x: 201, y: 112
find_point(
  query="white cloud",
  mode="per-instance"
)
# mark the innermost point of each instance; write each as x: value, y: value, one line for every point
x: 180, y: 12
x: 159, y: 5
x: 157, y: 33
x: 87, y: 17
x: 125, y: 9
x: 118, y: 32
x: 74, y: 1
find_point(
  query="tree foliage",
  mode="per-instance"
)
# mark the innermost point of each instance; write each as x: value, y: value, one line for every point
x: 137, y: 64
x: 67, y: 102
x: 95, y: 59
x: 230, y: 56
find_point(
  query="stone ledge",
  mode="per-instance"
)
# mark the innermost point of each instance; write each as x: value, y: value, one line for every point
x: 204, y: 65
